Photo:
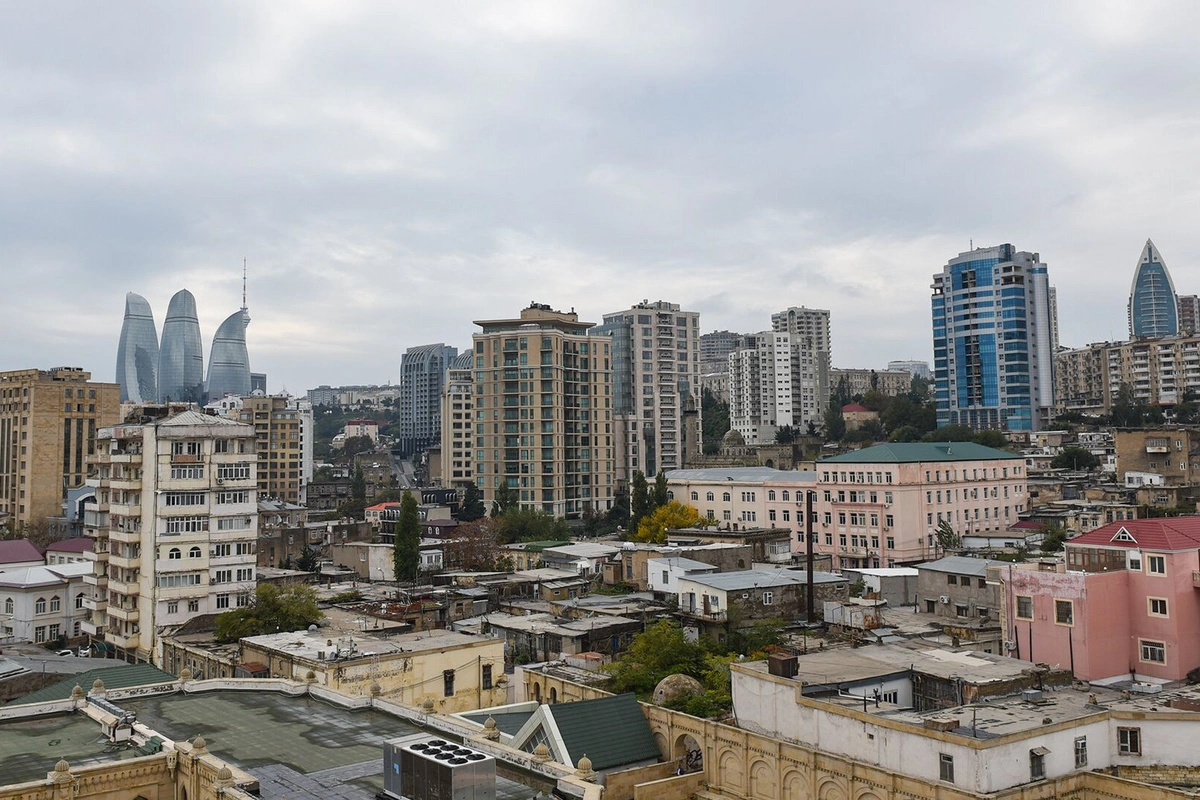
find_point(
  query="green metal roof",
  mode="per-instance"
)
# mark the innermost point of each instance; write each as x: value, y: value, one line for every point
x: 508, y: 722
x: 909, y: 452
x: 121, y: 676
x: 611, y: 731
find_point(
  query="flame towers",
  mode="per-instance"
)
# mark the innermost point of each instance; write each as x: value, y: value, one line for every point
x: 181, y: 357
x: 229, y: 361
x: 137, y: 352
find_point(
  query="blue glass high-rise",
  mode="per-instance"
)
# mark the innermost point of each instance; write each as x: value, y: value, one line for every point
x: 229, y: 361
x: 1153, y: 306
x: 181, y: 355
x: 993, y: 363
x: 137, y: 352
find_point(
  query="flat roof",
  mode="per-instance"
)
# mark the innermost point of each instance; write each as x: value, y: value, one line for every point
x: 681, y: 563
x: 743, y: 475
x: 306, y: 644
x: 961, y: 565
x: 761, y: 578
x: 29, y: 748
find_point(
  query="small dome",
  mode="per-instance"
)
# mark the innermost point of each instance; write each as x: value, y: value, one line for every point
x: 489, y: 724
x: 733, y: 439
x: 375, y: 688
x: 199, y: 744
x: 185, y: 674
x: 541, y: 752
x: 97, y: 685
x: 676, y: 686
x: 427, y: 705
x: 585, y: 764
x: 225, y: 773
x: 62, y: 766
x: 77, y: 692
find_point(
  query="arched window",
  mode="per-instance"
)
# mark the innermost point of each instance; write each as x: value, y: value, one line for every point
x: 695, y: 495
x: 39, y: 606
x: 771, y: 494
x: 79, y: 600
x: 55, y: 603
x: 786, y: 495
x: 194, y: 552
x: 710, y: 497
x: 8, y: 605
x: 725, y: 497
x: 174, y: 554
x: 670, y: 495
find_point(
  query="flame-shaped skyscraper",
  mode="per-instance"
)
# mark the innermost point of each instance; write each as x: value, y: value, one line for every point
x: 181, y: 355
x: 137, y: 352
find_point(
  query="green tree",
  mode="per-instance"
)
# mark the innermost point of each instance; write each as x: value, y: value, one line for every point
x: 906, y: 433
x: 1076, y: 458
x: 950, y: 433
x: 662, y: 492
x: 785, y: 435
x: 274, y: 609
x: 1053, y: 537
x: 835, y: 423
x: 1126, y: 411
x: 639, y: 500
x: 619, y: 513
x: 308, y: 561
x: 406, y: 542
x: 355, y: 445
x: 841, y: 393
x: 504, y: 500
x: 947, y: 539
x: 657, y: 652
x: 990, y: 438
x: 670, y: 516
x: 358, y: 484
x: 529, y: 525
x: 714, y: 416
x: 472, y: 505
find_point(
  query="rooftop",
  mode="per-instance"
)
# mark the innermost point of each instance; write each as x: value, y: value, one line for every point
x: 114, y: 677
x: 743, y: 475
x: 583, y: 550
x: 679, y: 562
x: 14, y: 551
x: 915, y: 452
x: 761, y: 579
x: 961, y: 565
x: 307, y: 644
x: 79, y: 544
x: 52, y: 575
x: 1169, y: 534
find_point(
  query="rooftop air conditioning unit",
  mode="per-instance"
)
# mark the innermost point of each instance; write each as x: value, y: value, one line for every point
x: 944, y: 599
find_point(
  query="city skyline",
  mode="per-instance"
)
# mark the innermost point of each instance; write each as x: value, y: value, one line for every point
x: 392, y: 174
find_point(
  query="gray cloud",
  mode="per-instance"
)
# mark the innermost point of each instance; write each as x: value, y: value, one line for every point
x: 393, y: 172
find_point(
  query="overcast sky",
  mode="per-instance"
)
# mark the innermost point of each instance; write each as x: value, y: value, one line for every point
x: 394, y: 171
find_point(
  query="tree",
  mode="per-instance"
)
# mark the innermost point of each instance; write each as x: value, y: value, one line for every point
x: 662, y: 492
x: 990, y: 438
x: 947, y: 539
x: 657, y: 652
x: 950, y: 433
x: 835, y: 423
x: 529, y: 525
x: 504, y: 500
x: 714, y: 419
x: 1053, y: 537
x: 358, y: 484
x: 1076, y: 458
x: 308, y: 561
x: 653, y: 528
x: 619, y: 513
x: 1126, y: 411
x: 639, y: 502
x: 274, y: 609
x: 785, y: 435
x: 472, y: 505
x: 841, y: 393
x: 406, y: 542
x: 474, y: 546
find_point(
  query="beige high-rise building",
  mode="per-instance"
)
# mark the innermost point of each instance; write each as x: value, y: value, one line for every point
x: 48, y: 422
x: 1158, y: 371
x: 175, y: 527
x: 458, y: 404
x: 543, y: 412
x: 283, y: 429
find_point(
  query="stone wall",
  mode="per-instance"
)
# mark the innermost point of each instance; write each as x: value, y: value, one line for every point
x: 1158, y: 773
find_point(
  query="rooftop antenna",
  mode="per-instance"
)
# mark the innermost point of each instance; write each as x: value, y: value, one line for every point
x: 243, y: 283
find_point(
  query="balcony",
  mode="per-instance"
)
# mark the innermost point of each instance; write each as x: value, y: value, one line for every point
x: 95, y: 604
x: 126, y: 641
x: 124, y: 587
x: 90, y: 628
x: 98, y: 581
x: 128, y: 613
x: 187, y: 458
x: 124, y: 561
x: 698, y: 612
x: 1196, y: 579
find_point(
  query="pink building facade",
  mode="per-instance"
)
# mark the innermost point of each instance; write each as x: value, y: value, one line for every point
x: 1126, y: 606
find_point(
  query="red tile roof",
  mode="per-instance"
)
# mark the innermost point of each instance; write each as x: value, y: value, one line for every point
x: 383, y: 506
x: 1170, y: 534
x: 15, y: 551
x: 854, y: 407
x: 80, y: 544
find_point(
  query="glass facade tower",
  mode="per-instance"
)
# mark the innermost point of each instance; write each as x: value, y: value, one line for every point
x: 229, y: 361
x: 993, y: 363
x: 1153, y: 306
x: 137, y: 352
x: 422, y: 374
x: 181, y: 355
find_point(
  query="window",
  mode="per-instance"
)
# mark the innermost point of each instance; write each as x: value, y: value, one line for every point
x: 768, y: 598
x: 695, y: 495
x: 55, y: 632
x: 1156, y: 565
x: 1154, y: 652
x: 665, y: 577
x: 448, y: 683
x: 174, y: 554
x: 983, y: 583
x: 173, y: 607
x: 952, y: 580
x: 1129, y: 741
x: 946, y: 767
x: 226, y: 498
x: 189, y: 472
x: 222, y: 601
x: 1037, y: 763
x: 243, y: 600
x: 187, y: 524
x: 223, y: 576
x: 79, y: 600
x: 1158, y: 606
x: 55, y: 605
x: 222, y: 550
x: 245, y: 574
x: 194, y: 552
x: 8, y: 605
x: 233, y: 472
x: 931, y: 606
x: 193, y: 606
x: 39, y: 634
x: 1024, y: 607
x: 709, y: 497
x: 185, y: 499
x: 39, y: 606
x: 1064, y: 612
x: 487, y: 676
x: 180, y: 579
x: 1080, y: 752
x: 960, y: 611
x: 233, y: 523
x: 725, y: 497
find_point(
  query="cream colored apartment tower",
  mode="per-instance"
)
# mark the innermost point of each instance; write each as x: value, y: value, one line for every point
x: 458, y: 405
x: 48, y: 422
x: 282, y: 429
x: 543, y: 412
x: 175, y: 527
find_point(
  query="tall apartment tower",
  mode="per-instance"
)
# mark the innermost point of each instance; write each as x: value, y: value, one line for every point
x: 1153, y: 309
x: 811, y: 359
x: 422, y: 372
x: 715, y: 348
x: 543, y: 414
x: 283, y: 431
x: 175, y: 527
x: 656, y: 378
x: 775, y: 381
x: 458, y: 413
x: 993, y: 366
x: 48, y: 423
x: 1189, y: 314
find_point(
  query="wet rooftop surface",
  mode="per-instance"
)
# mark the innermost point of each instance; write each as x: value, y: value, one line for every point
x: 30, y: 748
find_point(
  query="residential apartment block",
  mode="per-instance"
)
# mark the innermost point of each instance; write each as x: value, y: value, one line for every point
x: 422, y: 373
x: 1189, y: 313
x: 1126, y: 606
x: 655, y: 382
x: 715, y: 348
x: 881, y: 506
x: 779, y: 379
x: 1166, y: 457
x: 48, y: 422
x: 175, y: 527
x: 1159, y: 372
x: 860, y: 381
x: 917, y: 369
x: 992, y: 339
x: 457, y: 419
x: 544, y: 412
x: 283, y: 429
